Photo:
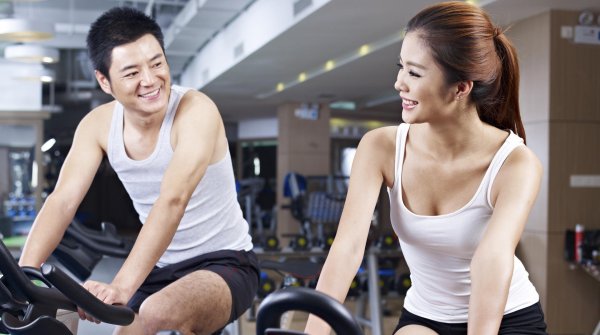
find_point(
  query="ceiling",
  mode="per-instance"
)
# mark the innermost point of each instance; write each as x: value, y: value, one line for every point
x: 247, y: 88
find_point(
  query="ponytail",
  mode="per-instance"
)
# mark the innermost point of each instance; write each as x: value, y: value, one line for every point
x: 508, y: 115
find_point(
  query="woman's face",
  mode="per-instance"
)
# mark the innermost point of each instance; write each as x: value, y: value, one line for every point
x: 421, y: 84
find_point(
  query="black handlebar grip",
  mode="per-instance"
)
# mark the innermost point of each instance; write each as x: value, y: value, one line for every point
x: 117, y: 315
x: 307, y: 300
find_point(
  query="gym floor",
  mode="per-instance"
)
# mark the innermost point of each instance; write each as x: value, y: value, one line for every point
x: 108, y: 266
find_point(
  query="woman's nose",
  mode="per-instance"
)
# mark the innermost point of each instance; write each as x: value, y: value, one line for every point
x: 399, y: 85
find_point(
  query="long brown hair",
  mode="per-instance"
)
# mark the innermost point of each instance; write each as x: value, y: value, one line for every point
x: 468, y: 46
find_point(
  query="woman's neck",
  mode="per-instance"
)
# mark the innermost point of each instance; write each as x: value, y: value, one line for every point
x: 452, y: 139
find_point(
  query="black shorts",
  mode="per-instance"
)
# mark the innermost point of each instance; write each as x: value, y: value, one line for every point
x: 239, y: 269
x: 526, y: 321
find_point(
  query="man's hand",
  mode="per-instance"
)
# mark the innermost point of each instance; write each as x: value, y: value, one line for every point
x: 108, y: 294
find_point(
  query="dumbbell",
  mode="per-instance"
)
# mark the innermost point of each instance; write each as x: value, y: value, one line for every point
x: 388, y: 242
x: 291, y: 281
x: 299, y: 243
x: 354, y: 290
x: 403, y: 283
x: 384, y: 283
x: 266, y: 285
x: 328, y: 241
x: 271, y: 243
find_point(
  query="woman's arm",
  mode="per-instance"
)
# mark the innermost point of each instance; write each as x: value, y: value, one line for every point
x: 346, y: 253
x: 513, y: 195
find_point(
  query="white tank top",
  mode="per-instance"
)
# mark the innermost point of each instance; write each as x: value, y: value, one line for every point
x: 439, y: 249
x: 212, y: 220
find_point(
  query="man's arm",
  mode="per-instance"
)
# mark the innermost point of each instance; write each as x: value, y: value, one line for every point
x: 518, y: 184
x: 198, y: 127
x: 74, y: 180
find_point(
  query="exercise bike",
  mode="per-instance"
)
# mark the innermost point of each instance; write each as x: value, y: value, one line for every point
x: 82, y: 248
x: 29, y: 309
x: 307, y: 300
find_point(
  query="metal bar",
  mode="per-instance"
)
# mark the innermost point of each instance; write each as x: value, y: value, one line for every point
x: 374, y: 296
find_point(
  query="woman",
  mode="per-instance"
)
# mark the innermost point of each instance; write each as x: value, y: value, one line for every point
x: 460, y: 179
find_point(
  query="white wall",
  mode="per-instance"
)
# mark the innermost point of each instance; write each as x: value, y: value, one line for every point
x: 258, y: 128
x: 16, y: 93
x: 18, y: 136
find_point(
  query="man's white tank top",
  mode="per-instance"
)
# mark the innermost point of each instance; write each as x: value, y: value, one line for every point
x: 212, y: 220
x: 439, y: 249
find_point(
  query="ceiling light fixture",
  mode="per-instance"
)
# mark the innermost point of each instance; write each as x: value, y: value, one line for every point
x: 364, y: 49
x: 48, y: 144
x: 31, y: 53
x: 35, y: 73
x: 329, y: 65
x: 20, y: 30
x: 337, y: 62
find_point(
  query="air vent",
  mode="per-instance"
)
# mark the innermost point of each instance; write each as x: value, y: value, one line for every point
x: 238, y: 50
x: 301, y: 5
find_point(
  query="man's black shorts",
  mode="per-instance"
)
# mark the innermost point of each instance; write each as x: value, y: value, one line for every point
x: 239, y: 269
x: 526, y: 321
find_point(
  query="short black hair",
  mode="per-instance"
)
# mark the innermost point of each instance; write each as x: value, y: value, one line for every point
x: 115, y: 27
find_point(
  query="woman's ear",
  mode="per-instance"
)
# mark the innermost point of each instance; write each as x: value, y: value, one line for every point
x: 103, y: 81
x: 463, y: 89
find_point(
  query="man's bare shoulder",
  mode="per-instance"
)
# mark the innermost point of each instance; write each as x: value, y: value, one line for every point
x: 100, y: 115
x: 197, y: 100
x: 95, y: 125
x: 196, y: 107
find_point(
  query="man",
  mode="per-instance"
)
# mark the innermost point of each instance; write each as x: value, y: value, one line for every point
x: 192, y: 267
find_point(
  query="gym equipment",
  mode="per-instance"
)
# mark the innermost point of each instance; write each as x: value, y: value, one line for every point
x: 82, y: 248
x: 301, y: 269
x: 354, y: 290
x: 271, y: 243
x: 328, y: 241
x: 27, y: 309
x: 307, y: 300
x: 314, y: 205
x: 293, y: 271
x: 372, y: 317
x: 257, y: 201
x: 403, y: 283
x: 386, y: 280
x: 300, y: 242
x: 266, y: 285
x: 294, y: 187
x: 388, y: 241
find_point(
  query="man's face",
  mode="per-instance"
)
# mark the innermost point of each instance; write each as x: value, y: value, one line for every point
x: 139, y: 76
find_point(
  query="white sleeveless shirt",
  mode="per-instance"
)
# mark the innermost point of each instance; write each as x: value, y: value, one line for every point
x: 212, y: 219
x: 439, y: 249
